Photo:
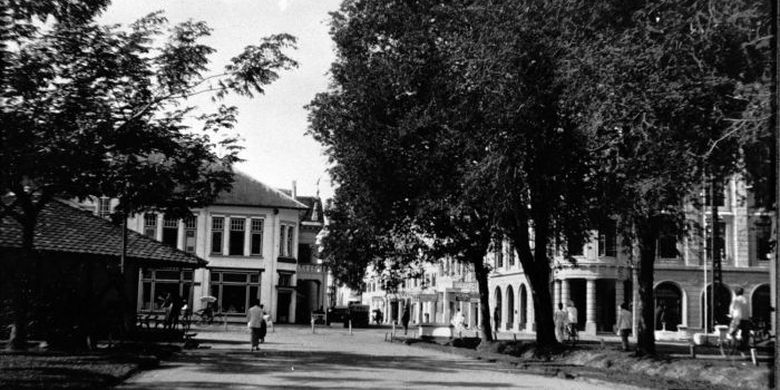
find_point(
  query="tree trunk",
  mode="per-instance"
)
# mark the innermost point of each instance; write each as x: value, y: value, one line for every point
x: 647, y: 235
x: 536, y: 266
x: 484, y: 296
x: 24, y: 262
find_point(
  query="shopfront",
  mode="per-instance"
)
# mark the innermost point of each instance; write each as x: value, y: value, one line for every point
x: 234, y: 289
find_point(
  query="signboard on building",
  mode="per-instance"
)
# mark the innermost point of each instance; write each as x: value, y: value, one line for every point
x: 427, y: 297
x: 465, y: 286
x: 466, y: 296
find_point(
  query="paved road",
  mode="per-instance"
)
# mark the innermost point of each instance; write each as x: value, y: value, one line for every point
x: 293, y: 357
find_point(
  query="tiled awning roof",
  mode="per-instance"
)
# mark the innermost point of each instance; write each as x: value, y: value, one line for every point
x: 65, y: 228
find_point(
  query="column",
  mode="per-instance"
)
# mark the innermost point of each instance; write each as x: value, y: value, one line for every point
x: 386, y: 311
x: 635, y: 295
x: 556, y: 294
x: 590, y: 306
x: 446, y: 309
x: 565, y: 292
x: 619, y: 298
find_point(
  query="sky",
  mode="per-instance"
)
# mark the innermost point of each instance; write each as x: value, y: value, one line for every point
x: 277, y: 152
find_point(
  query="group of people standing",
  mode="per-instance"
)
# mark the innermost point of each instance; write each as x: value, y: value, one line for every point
x: 565, y: 321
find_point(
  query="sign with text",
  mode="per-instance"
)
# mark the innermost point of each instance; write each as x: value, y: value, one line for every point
x: 466, y: 296
x: 427, y: 297
x: 466, y: 286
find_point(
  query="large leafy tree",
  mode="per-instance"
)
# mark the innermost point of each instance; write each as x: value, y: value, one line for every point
x: 664, y: 94
x: 101, y: 110
x: 432, y: 122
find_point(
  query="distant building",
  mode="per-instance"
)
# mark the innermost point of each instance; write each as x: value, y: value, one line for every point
x: 250, y: 238
x: 603, y: 276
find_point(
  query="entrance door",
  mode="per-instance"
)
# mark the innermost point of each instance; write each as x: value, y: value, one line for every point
x: 283, y: 307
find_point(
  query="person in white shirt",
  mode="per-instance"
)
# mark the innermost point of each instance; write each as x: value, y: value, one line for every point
x: 740, y: 320
x: 571, y: 319
x: 559, y: 318
x: 624, y: 325
x: 256, y: 324
x: 457, y: 322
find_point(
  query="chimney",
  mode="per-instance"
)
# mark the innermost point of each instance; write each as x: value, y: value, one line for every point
x: 294, y: 190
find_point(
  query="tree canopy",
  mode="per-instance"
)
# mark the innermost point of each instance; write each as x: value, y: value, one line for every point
x: 94, y: 110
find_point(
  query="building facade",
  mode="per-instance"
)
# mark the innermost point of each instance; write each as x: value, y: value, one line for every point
x: 603, y: 276
x: 251, y: 238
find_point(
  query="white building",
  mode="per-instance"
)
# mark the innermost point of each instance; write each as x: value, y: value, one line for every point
x: 249, y: 236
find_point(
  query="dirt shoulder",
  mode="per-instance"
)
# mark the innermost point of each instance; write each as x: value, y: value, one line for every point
x: 606, y: 362
x: 41, y: 369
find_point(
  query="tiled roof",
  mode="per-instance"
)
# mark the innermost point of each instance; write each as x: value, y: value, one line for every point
x: 250, y: 192
x: 65, y: 228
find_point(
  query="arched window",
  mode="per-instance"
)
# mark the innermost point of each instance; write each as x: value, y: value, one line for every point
x: 510, y: 307
x: 760, y: 305
x: 523, y: 307
x: 722, y: 301
x: 497, y: 309
x: 668, y: 306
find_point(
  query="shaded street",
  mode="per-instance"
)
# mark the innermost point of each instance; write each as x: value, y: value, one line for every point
x: 292, y: 357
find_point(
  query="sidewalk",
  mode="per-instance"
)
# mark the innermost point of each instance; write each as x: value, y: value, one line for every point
x: 673, y: 369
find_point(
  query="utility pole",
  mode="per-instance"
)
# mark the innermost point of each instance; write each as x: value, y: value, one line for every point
x: 776, y: 124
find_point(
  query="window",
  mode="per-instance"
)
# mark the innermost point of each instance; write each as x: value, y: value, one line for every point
x: 720, y: 244
x: 256, y: 238
x: 157, y: 284
x: 285, y: 279
x: 574, y: 250
x: 511, y: 256
x: 608, y: 238
x: 170, y: 231
x: 217, y: 229
x: 719, y: 197
x: 234, y: 290
x: 190, y: 234
x: 499, y: 252
x: 236, y: 240
x: 304, y: 253
x: 286, y: 241
x: 667, y: 241
x: 763, y: 238
x: 150, y: 225
x: 103, y: 208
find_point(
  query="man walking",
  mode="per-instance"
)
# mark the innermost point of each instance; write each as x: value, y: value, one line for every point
x: 559, y: 318
x: 624, y: 325
x: 256, y: 324
x: 740, y: 320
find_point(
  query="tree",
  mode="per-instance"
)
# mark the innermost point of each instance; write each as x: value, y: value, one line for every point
x: 430, y: 122
x: 100, y: 110
x: 663, y: 94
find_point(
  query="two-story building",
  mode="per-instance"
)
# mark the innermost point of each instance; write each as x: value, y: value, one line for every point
x: 249, y: 236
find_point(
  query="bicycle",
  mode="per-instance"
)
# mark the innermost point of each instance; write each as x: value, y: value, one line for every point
x: 733, y: 344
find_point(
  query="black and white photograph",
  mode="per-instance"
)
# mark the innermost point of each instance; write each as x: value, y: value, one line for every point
x: 389, y: 194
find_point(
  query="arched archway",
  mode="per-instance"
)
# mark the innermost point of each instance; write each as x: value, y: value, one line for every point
x: 523, y: 307
x: 668, y: 306
x: 721, y: 306
x: 510, y: 307
x: 760, y: 302
x: 497, y: 309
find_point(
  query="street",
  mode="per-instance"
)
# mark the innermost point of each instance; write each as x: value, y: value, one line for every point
x: 293, y: 357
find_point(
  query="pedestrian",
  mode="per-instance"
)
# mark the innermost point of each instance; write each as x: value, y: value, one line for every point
x: 457, y: 322
x: 660, y: 317
x: 740, y: 319
x: 167, y: 306
x: 405, y: 319
x: 255, y: 323
x: 571, y: 319
x: 263, y: 324
x: 559, y: 318
x: 497, y: 317
x: 624, y: 325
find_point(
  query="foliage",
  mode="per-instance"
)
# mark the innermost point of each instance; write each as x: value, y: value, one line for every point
x: 101, y: 110
x: 664, y: 96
